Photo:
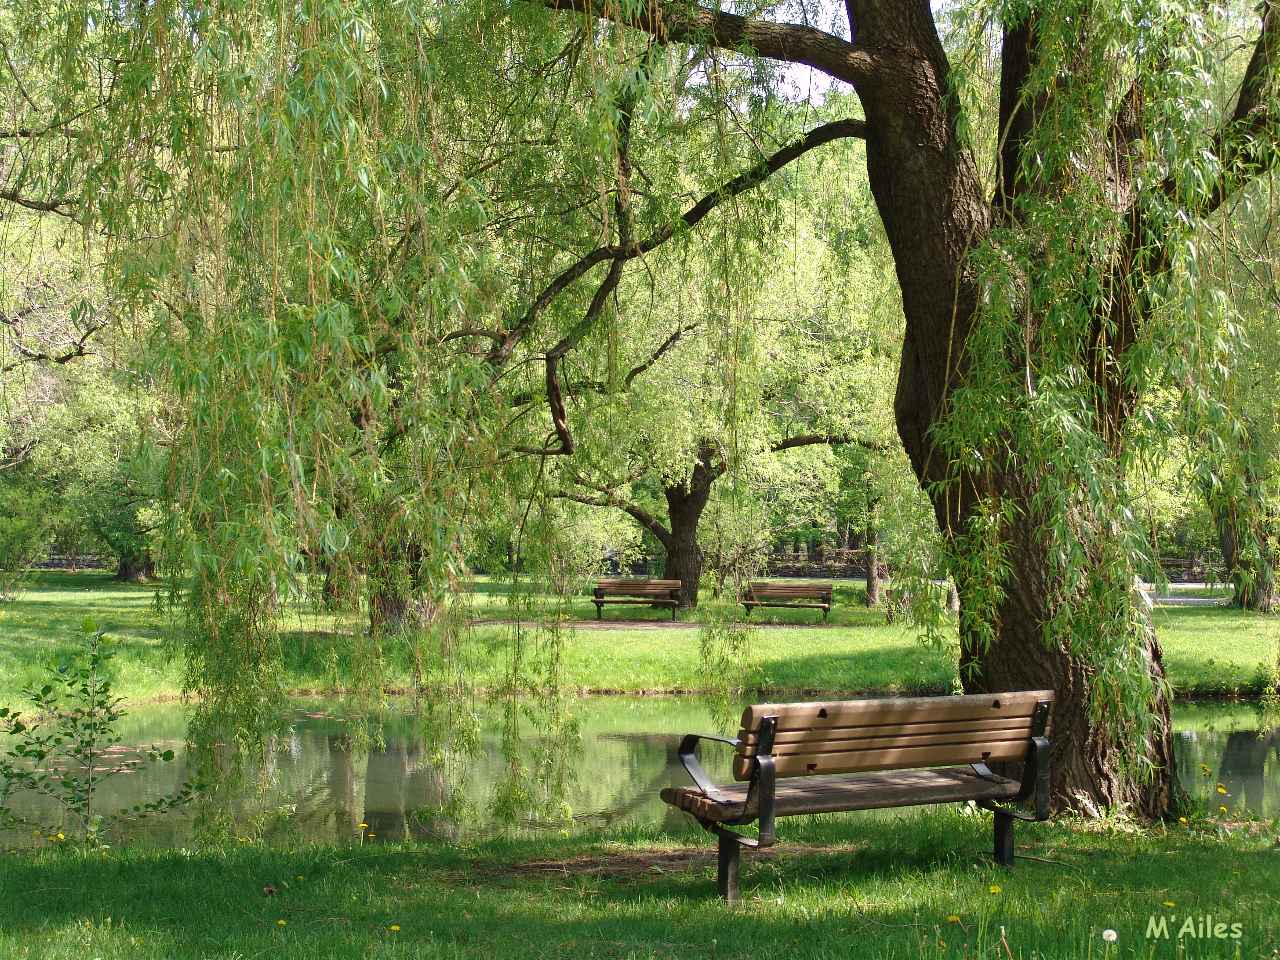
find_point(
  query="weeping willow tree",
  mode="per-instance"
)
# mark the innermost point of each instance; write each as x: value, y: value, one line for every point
x: 674, y: 441
x: 355, y: 231
x: 1044, y: 285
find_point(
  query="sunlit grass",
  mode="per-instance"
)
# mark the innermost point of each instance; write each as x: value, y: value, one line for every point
x: 1207, y: 650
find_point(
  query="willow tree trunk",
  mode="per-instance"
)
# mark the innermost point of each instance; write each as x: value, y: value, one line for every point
x: 1252, y: 572
x: 1091, y: 771
x: 396, y: 599
x: 136, y: 568
x: 685, y: 505
x: 935, y: 207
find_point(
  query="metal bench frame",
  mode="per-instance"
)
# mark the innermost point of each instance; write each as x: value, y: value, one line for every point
x: 825, y: 596
x: 1034, y: 786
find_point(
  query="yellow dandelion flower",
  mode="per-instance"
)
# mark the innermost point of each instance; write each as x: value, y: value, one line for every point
x: 1222, y: 790
x: 1170, y: 903
x: 1222, y: 809
x: 363, y: 826
x: 994, y: 888
x: 394, y: 928
x: 61, y: 835
x: 281, y: 923
x: 953, y: 919
x: 299, y: 877
x: 372, y: 834
x: 1183, y: 821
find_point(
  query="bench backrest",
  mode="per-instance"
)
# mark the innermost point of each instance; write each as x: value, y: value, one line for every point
x: 850, y: 736
x: 789, y: 591
x: 637, y: 588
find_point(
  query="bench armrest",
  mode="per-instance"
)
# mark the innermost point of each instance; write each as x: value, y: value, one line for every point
x: 1035, y: 777
x: 688, y: 752
x: 760, y: 795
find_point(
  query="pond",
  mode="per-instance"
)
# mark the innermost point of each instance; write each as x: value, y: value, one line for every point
x: 315, y: 782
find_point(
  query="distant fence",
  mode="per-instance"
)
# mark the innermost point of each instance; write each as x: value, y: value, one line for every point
x: 826, y: 569
x: 61, y: 562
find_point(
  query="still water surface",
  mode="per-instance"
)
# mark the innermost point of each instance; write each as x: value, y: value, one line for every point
x: 317, y: 782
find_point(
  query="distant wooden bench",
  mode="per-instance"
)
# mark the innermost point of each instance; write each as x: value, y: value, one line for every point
x: 662, y: 593
x: 868, y: 755
x: 815, y: 596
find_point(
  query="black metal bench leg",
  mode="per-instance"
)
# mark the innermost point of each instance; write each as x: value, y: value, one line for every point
x: 1004, y: 838
x: 728, y: 860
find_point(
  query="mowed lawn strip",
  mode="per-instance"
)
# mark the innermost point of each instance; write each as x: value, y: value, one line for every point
x: 1208, y: 650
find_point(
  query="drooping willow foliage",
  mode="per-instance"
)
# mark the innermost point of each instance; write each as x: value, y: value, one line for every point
x: 1094, y: 308
x: 337, y: 227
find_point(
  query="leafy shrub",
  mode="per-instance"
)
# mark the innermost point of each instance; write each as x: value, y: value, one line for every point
x: 62, y: 749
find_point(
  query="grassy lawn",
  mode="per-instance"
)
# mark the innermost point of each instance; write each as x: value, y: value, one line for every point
x: 1208, y: 650
x: 922, y: 885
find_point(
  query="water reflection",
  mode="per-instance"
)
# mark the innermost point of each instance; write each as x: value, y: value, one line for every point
x: 316, y: 781
x: 1223, y: 761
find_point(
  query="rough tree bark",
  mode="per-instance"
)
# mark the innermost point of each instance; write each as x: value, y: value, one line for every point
x: 685, y: 504
x: 1253, y: 573
x: 135, y: 568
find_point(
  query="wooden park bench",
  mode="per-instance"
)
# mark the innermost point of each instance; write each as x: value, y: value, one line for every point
x: 802, y: 758
x: 660, y: 593
x: 815, y: 596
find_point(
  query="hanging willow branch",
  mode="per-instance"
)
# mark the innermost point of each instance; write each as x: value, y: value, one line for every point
x: 618, y: 253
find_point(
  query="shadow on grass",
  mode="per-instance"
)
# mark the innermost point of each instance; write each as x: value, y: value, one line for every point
x: 886, y: 889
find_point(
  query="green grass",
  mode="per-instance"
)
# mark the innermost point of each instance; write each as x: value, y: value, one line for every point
x: 843, y: 887
x: 1208, y: 650
x: 1217, y: 650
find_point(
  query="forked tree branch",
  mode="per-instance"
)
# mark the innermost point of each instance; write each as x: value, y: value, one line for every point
x: 1248, y: 144
x: 43, y: 206
x: 751, y: 177
x: 689, y: 23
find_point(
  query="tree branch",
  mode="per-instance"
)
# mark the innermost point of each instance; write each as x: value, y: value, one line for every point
x: 790, y: 42
x: 1246, y: 145
x: 608, y: 498
x: 43, y: 206
x: 815, y: 439
x: 80, y: 349
x: 657, y: 355
x: 753, y: 176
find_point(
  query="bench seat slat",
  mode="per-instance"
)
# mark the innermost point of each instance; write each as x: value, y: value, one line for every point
x: 766, y: 603
x: 998, y: 726
x: 647, y: 602
x: 638, y: 592
x: 788, y: 592
x: 891, y: 758
x: 663, y: 584
x: 908, y: 741
x: 827, y: 794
